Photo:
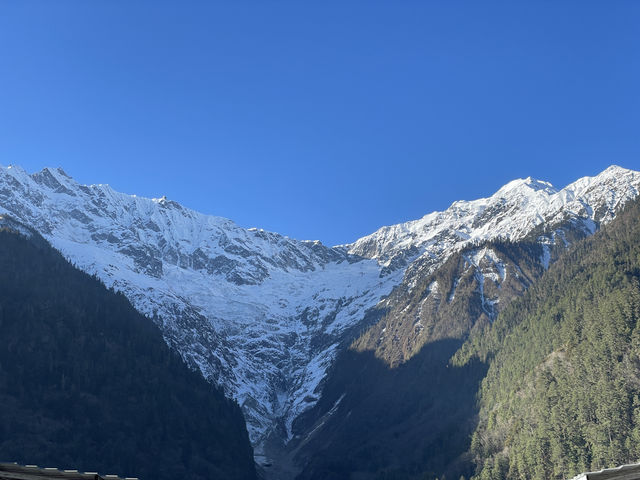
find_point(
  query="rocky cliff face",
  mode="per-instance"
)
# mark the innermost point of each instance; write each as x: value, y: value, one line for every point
x: 461, y: 265
x: 263, y: 315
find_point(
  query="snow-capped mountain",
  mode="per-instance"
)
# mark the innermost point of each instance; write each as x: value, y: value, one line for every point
x: 261, y: 314
x: 257, y: 312
x: 511, y: 213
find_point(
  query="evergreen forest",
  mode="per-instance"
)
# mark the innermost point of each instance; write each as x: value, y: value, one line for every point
x: 562, y: 391
x: 88, y: 383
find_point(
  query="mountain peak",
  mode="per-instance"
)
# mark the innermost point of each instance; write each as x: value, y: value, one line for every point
x: 56, y: 172
x: 15, y: 171
x: 525, y: 186
x: 512, y: 212
x: 617, y: 170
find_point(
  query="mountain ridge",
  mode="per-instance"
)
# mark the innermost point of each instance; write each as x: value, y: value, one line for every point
x: 261, y: 314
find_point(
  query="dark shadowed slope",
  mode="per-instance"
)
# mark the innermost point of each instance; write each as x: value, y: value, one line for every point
x: 377, y: 422
x: 87, y: 382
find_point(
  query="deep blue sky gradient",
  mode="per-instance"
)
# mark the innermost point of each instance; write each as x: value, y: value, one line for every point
x: 319, y: 120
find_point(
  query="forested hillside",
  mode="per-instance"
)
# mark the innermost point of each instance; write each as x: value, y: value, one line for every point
x: 88, y: 383
x: 393, y: 401
x: 562, y: 392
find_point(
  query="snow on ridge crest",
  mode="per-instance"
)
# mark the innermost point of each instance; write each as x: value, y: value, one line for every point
x: 521, y: 185
x: 512, y: 212
x: 101, y: 203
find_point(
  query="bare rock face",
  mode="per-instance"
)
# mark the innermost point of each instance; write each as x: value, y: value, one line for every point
x: 263, y: 315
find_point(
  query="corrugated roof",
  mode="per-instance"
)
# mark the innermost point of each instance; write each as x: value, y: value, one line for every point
x: 624, y: 472
x: 13, y: 471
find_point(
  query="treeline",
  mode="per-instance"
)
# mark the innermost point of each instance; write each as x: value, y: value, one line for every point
x: 88, y: 383
x: 562, y: 392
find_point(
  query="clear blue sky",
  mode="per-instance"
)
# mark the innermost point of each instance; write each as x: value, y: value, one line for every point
x: 319, y: 120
